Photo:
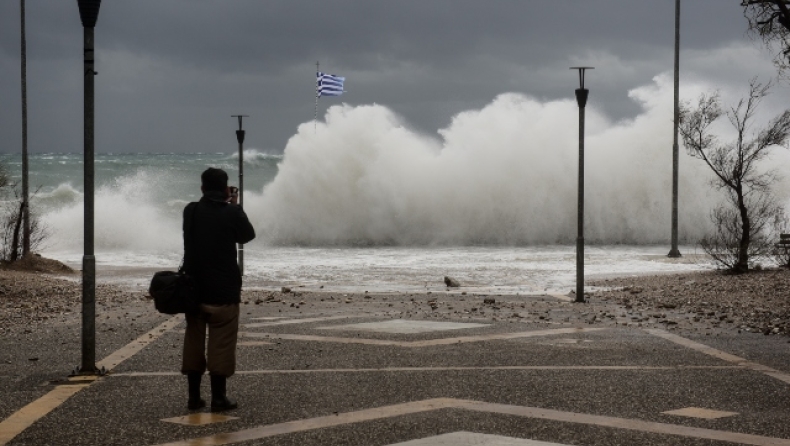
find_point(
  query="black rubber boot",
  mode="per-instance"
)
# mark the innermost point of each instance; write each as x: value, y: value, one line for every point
x: 219, y: 401
x: 195, y: 401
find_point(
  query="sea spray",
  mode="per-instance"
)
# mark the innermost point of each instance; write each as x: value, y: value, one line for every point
x: 255, y: 157
x: 128, y: 217
x: 423, y: 205
x: 505, y: 174
x: 502, y: 175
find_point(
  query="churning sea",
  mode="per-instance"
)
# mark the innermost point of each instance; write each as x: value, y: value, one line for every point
x: 316, y: 227
x: 359, y: 200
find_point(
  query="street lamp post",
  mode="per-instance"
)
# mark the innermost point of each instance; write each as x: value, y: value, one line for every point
x: 674, y: 251
x: 581, y: 99
x: 25, y: 185
x: 240, y: 138
x: 89, y: 12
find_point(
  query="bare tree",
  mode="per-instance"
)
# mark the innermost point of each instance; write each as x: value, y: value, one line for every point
x: 726, y: 244
x: 12, y: 213
x: 743, y: 220
x: 781, y: 251
x: 5, y: 180
x: 11, y: 231
x: 770, y: 21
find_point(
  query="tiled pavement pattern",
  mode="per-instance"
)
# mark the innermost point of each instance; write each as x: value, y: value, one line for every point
x: 472, y: 439
x: 356, y: 377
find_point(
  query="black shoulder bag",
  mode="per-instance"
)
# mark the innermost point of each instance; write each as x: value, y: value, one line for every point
x: 174, y: 291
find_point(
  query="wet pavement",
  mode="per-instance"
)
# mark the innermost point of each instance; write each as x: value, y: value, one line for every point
x: 393, y: 369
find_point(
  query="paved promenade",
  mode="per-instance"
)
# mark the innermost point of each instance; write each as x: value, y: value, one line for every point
x: 404, y: 370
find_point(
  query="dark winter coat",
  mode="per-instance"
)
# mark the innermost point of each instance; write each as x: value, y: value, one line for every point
x: 210, y: 238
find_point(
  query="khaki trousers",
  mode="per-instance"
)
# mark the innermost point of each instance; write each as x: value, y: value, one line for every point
x: 223, y: 331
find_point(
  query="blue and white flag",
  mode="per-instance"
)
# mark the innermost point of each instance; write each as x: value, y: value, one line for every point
x: 329, y: 84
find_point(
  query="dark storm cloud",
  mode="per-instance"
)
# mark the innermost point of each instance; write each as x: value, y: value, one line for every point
x: 172, y: 72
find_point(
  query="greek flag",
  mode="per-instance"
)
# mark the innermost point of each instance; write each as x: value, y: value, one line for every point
x: 329, y: 84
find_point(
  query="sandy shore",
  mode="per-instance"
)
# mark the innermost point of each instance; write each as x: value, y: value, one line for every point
x: 755, y: 302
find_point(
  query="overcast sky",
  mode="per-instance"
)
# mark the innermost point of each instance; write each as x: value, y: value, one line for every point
x: 172, y: 72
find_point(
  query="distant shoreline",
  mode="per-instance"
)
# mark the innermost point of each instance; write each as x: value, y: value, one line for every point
x: 699, y: 302
x: 137, y: 278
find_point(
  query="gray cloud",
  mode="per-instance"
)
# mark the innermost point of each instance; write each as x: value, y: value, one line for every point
x: 172, y: 72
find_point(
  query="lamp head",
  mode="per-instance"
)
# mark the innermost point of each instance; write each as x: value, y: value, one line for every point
x: 581, y: 74
x: 89, y: 12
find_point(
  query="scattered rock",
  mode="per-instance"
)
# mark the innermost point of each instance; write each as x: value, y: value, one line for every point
x: 757, y: 302
x: 450, y: 282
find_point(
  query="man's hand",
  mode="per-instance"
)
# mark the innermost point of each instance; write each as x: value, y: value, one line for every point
x: 234, y: 195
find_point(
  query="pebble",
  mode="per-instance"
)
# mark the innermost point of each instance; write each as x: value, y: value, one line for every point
x: 758, y: 301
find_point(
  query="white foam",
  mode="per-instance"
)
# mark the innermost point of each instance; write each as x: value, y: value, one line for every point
x: 499, y: 270
x: 255, y: 156
x: 127, y: 217
x: 505, y: 174
x: 488, y: 200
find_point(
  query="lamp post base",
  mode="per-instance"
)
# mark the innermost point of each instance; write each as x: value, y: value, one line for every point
x: 674, y: 253
x: 78, y: 371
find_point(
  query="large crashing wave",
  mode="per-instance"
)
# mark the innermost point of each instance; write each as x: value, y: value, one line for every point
x: 129, y: 215
x: 505, y: 174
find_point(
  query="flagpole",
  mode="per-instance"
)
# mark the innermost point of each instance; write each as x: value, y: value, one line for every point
x: 315, y: 116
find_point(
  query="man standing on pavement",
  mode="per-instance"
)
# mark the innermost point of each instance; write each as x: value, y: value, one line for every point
x: 212, y: 228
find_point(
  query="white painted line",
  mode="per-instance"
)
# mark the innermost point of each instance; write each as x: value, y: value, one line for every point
x: 474, y: 439
x: 428, y: 343
x: 724, y: 356
x: 397, y: 410
x: 257, y: 433
x: 199, y: 419
x: 404, y: 326
x: 625, y: 423
x: 297, y: 321
x: 315, y: 338
x: 699, y: 412
x: 455, y: 369
x: 504, y: 336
